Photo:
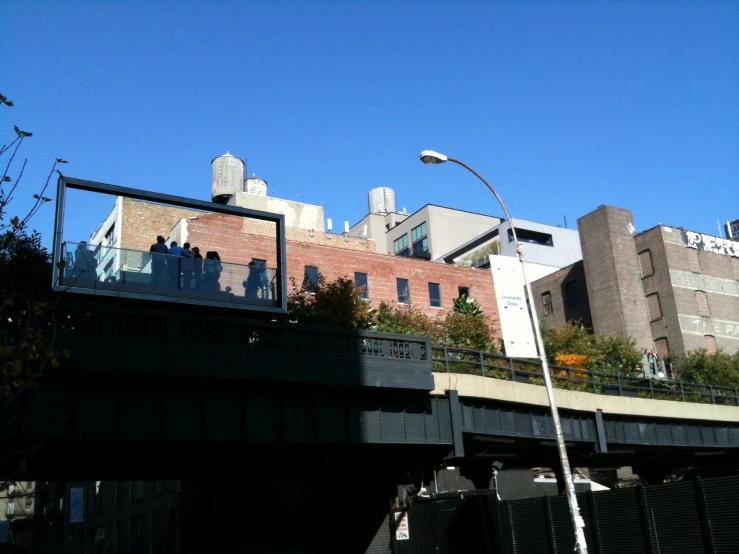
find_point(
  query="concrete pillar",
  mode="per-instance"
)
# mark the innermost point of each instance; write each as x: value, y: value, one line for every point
x: 613, y: 275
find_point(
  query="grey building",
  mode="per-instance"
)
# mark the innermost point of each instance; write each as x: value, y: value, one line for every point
x: 428, y: 233
x: 669, y: 288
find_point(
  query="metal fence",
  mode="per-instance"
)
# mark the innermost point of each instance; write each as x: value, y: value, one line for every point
x: 474, y: 362
x: 696, y: 517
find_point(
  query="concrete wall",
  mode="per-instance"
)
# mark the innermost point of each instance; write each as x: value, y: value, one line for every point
x: 375, y: 230
x: 555, y: 284
x: 565, y: 249
x: 613, y: 275
x: 447, y: 228
x: 297, y: 214
x: 474, y: 386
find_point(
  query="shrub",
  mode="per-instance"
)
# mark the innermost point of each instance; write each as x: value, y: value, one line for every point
x: 336, y: 303
x: 703, y: 368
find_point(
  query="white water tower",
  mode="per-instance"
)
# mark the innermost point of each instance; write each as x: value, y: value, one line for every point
x: 228, y: 177
x: 381, y: 200
x: 255, y: 185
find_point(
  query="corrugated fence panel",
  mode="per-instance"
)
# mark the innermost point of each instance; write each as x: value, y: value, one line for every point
x: 560, y: 522
x: 381, y: 542
x: 674, y: 524
x: 619, y: 527
x: 528, y: 527
x: 722, y: 506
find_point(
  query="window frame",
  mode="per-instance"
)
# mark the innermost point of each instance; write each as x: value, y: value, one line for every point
x: 572, y: 293
x: 641, y: 265
x: 434, y: 301
x: 398, y: 282
x: 310, y: 284
x: 548, y: 306
x: 415, y: 237
x: 402, y: 250
x: 658, y: 315
x: 701, y: 295
x: 363, y: 289
x: 460, y: 293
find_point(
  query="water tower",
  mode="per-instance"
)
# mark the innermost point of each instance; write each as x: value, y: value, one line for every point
x: 381, y: 200
x: 228, y: 177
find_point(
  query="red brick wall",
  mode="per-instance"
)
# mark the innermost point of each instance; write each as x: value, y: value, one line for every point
x: 143, y: 221
x: 225, y: 234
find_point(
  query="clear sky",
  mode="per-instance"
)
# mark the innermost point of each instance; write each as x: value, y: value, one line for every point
x: 563, y: 106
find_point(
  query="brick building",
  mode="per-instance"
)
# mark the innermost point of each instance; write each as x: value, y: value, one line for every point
x: 668, y: 288
x: 430, y: 286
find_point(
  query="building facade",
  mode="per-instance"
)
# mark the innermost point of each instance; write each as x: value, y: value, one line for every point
x: 670, y: 289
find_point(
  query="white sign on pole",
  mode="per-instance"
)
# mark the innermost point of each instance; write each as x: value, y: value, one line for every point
x: 76, y: 505
x: 515, y: 322
x: 402, y: 533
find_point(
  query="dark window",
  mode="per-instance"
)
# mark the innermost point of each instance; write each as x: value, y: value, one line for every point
x: 533, y: 237
x: 645, y: 261
x: 464, y: 291
x: 404, y: 293
x: 311, y: 278
x: 421, y: 247
x: 435, y: 295
x: 573, y: 297
x: 546, y: 301
x: 259, y: 262
x: 110, y: 236
x: 400, y: 246
x: 417, y: 233
x: 653, y: 305
x: 360, y: 281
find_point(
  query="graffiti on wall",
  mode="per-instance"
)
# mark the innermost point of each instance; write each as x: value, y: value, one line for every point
x: 709, y: 243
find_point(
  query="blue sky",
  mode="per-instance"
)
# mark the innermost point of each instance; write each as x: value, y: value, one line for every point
x: 563, y: 106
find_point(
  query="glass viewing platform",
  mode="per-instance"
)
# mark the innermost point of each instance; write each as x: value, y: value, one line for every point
x: 104, y: 268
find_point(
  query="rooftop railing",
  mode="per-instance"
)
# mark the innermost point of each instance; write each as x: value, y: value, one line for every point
x: 473, y: 362
x: 108, y: 270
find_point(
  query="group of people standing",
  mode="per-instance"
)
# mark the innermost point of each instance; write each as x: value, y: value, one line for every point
x: 183, y: 267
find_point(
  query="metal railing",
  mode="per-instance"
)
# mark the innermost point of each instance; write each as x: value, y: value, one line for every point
x: 474, y: 362
x: 105, y: 268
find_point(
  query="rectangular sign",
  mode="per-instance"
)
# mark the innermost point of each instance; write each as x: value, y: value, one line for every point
x: 402, y: 533
x: 515, y: 321
x: 76, y: 505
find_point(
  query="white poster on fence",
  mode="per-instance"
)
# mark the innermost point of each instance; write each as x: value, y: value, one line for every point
x: 515, y: 322
x: 76, y: 505
x: 401, y: 526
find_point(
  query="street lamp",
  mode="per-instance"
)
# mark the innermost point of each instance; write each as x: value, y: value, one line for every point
x: 429, y: 157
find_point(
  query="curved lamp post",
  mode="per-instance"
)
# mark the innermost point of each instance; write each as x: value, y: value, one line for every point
x: 429, y: 157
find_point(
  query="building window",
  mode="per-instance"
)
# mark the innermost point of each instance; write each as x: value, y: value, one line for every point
x: 360, y: 281
x: 110, y: 236
x: 694, y: 262
x: 573, y: 297
x: 653, y: 305
x: 421, y: 247
x: 435, y: 295
x: 311, y: 278
x: 532, y: 237
x: 417, y: 233
x: 400, y: 246
x: 702, y: 300
x: 463, y: 291
x: 404, y: 293
x: 662, y: 347
x: 546, y: 301
x: 645, y: 262
x: 710, y: 341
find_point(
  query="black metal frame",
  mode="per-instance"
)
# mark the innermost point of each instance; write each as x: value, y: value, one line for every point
x: 496, y: 366
x: 81, y: 184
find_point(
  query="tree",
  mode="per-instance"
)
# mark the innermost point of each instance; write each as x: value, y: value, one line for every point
x: 28, y: 309
x: 703, y: 368
x: 336, y: 303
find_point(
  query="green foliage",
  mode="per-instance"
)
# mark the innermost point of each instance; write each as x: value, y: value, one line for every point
x: 606, y: 354
x: 703, y: 368
x: 406, y: 319
x: 467, y: 305
x: 467, y: 330
x: 491, y: 249
x: 336, y: 303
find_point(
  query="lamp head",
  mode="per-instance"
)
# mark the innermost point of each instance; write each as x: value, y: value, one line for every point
x: 430, y: 157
